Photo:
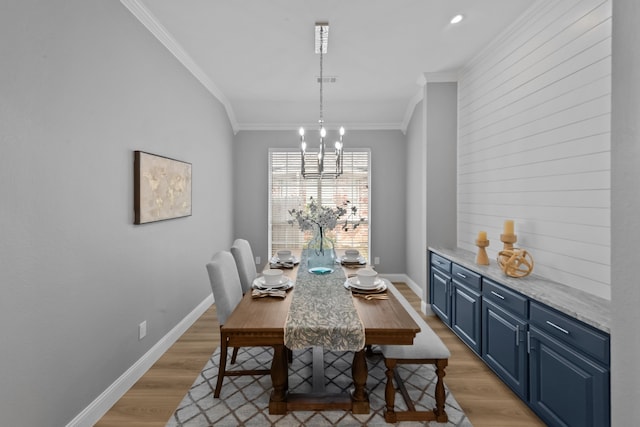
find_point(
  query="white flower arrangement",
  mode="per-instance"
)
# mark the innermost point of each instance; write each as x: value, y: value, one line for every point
x: 323, y: 217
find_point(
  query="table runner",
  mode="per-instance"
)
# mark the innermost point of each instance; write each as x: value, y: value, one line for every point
x: 322, y: 313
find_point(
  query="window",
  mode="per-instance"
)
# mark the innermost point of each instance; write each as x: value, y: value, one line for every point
x: 290, y: 191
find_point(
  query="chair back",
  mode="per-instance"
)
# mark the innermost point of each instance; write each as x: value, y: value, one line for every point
x: 242, y: 253
x: 225, y: 284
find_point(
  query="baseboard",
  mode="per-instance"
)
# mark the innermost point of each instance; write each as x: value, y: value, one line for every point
x: 426, y: 308
x: 404, y: 279
x: 96, y: 409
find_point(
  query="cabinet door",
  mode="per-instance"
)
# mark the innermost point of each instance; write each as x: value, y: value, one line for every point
x: 465, y: 315
x: 441, y: 300
x: 567, y: 388
x: 504, y: 346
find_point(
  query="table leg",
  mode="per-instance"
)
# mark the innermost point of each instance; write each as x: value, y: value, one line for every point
x: 359, y: 396
x: 279, y: 380
x: 318, y: 369
x: 390, y: 392
x: 441, y: 415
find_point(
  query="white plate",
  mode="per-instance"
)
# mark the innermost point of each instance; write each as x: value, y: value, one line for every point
x: 284, y: 287
x: 382, y: 286
x: 262, y: 287
x: 379, y: 285
x: 355, y: 282
x: 259, y: 283
x: 359, y: 260
x: 294, y: 260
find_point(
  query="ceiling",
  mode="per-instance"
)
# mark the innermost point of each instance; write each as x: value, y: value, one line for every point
x: 257, y: 57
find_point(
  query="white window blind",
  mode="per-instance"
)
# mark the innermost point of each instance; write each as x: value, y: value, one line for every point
x: 290, y: 191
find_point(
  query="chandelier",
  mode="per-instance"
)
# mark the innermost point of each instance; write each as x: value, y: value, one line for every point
x: 318, y: 167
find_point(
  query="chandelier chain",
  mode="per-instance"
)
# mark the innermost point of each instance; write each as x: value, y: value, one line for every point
x: 322, y: 43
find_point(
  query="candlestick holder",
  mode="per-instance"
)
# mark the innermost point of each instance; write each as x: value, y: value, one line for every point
x: 508, y: 240
x: 482, y: 258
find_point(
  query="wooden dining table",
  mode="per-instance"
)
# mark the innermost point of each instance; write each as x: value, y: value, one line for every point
x: 261, y: 322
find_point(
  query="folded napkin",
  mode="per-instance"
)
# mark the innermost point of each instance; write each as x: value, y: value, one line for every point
x: 257, y: 293
x: 281, y: 264
x: 353, y: 264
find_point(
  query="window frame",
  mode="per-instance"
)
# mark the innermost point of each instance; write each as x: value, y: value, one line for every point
x: 297, y: 152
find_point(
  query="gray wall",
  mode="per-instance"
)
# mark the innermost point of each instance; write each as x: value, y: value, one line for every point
x: 388, y: 193
x: 82, y: 85
x: 625, y: 220
x: 442, y: 107
x: 431, y: 177
x: 416, y: 198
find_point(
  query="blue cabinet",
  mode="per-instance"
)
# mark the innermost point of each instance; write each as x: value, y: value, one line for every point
x: 440, y: 287
x: 504, y: 332
x: 465, y: 306
x: 569, y: 374
x: 454, y: 294
x: 504, y: 346
x: 558, y: 365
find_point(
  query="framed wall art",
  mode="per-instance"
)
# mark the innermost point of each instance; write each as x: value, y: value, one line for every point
x: 161, y: 188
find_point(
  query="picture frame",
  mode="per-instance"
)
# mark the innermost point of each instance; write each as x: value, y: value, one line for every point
x: 161, y: 188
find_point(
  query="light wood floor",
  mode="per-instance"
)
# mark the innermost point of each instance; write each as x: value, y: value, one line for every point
x: 152, y: 400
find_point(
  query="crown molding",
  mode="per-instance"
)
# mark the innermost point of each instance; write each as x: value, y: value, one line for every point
x: 295, y: 126
x: 445, y: 77
x: 411, y: 106
x: 507, y: 33
x: 152, y: 24
x: 422, y: 80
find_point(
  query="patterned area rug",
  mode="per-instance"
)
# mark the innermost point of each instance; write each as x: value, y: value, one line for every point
x: 244, y: 400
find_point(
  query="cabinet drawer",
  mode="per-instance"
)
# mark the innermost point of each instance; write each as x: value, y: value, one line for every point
x: 440, y: 262
x: 571, y: 331
x: 504, y: 297
x: 466, y: 277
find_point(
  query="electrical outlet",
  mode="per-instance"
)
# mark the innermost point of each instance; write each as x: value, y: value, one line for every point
x: 376, y: 260
x: 142, y: 330
x: 257, y: 260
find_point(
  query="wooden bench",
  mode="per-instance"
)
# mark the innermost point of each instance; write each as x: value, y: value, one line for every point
x: 427, y: 348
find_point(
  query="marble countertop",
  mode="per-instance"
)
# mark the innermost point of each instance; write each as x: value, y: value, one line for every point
x: 588, y: 308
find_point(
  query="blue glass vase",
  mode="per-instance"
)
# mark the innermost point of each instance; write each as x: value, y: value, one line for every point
x: 320, y: 252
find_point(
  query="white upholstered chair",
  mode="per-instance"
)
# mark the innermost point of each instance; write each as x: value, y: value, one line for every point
x: 242, y: 253
x: 227, y: 294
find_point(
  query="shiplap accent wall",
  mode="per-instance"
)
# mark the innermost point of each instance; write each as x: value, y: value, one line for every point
x: 534, y: 142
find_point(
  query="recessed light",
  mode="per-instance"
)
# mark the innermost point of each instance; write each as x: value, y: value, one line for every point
x: 457, y: 19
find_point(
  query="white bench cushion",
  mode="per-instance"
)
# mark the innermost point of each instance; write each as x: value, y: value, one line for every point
x: 426, y: 344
